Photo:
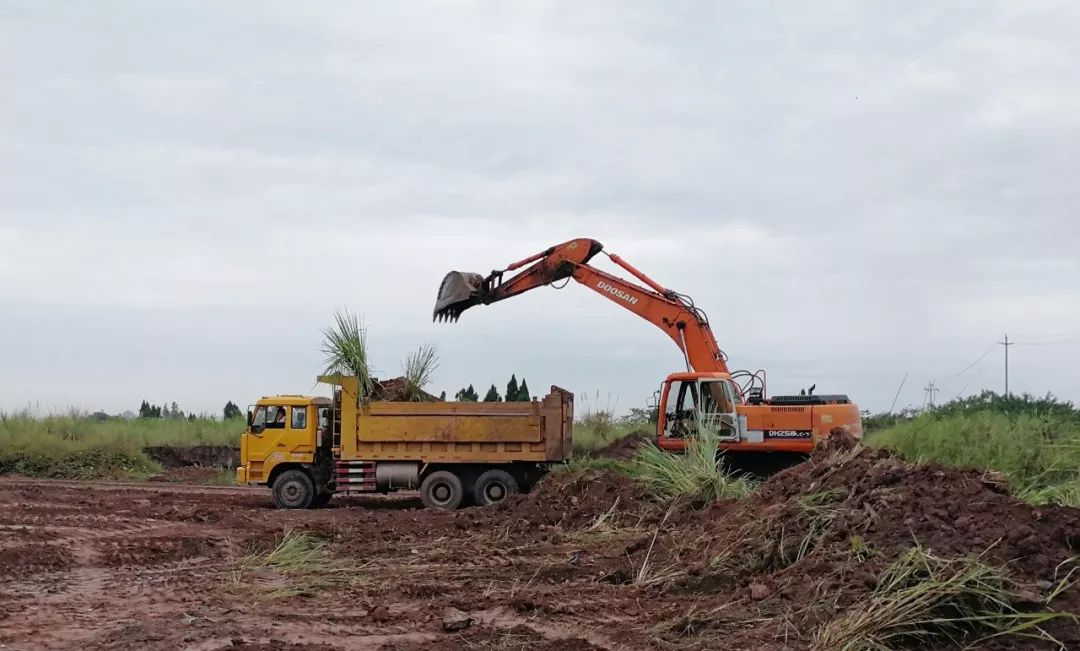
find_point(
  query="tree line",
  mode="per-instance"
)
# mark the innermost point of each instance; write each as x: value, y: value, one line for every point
x: 173, y: 411
x: 514, y: 393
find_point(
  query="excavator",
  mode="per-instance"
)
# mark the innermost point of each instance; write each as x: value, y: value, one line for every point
x: 733, y: 404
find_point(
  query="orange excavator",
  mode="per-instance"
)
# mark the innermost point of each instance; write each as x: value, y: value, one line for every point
x: 734, y: 404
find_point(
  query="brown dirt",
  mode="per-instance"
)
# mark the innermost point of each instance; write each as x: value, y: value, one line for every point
x: 202, y: 456
x: 189, y: 475
x: 157, y: 566
x: 394, y: 390
x: 624, y: 448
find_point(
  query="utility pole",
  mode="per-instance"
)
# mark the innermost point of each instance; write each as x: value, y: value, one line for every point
x: 1006, y: 344
x: 930, y: 390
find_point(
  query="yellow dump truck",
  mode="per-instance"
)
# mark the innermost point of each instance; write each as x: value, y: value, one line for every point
x: 307, y: 449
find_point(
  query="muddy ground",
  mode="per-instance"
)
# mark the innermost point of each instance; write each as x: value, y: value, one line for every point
x: 587, y: 561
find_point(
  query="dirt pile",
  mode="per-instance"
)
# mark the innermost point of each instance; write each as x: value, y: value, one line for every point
x: 575, y: 499
x: 202, y: 456
x: 396, y: 390
x: 624, y: 448
x: 817, y: 539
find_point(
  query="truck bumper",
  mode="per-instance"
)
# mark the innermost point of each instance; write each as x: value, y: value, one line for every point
x: 241, y: 475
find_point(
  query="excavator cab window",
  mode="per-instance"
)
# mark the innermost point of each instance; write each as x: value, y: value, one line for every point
x: 718, y: 407
x: 691, y: 405
x: 681, y: 409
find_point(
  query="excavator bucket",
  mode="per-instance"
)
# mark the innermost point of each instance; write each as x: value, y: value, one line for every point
x: 458, y: 292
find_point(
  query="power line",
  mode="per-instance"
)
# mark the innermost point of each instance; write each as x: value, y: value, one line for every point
x: 897, y: 396
x: 1046, y: 343
x: 971, y: 365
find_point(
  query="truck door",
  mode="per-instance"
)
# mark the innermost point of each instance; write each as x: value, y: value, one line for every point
x: 267, y: 440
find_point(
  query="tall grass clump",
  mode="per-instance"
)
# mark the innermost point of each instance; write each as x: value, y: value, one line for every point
x: 418, y: 369
x: 345, y: 348
x: 922, y: 600
x: 697, y: 474
x: 597, y: 426
x: 1039, y: 453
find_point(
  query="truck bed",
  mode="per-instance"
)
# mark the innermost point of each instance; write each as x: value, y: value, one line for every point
x: 451, y: 432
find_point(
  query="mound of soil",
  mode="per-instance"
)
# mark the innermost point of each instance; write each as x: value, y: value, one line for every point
x: 393, y: 390
x: 575, y: 499
x: 33, y: 559
x: 818, y: 536
x: 624, y: 448
x: 203, y: 456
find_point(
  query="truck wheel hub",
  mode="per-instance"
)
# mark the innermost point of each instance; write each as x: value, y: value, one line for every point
x: 496, y: 492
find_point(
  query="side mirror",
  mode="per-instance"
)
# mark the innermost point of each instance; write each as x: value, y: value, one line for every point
x: 250, y: 418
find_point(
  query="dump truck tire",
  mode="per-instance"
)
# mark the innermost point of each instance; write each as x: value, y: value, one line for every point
x: 293, y: 489
x: 442, y: 490
x: 493, y: 486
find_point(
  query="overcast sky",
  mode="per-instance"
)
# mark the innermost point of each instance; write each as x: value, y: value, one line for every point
x: 853, y: 190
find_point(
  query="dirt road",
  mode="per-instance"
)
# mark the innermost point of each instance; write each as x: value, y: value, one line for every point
x: 99, y: 565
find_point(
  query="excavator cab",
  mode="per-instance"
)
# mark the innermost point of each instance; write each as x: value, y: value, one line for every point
x: 691, y: 403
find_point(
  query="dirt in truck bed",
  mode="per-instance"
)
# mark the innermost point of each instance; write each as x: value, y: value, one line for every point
x: 586, y: 561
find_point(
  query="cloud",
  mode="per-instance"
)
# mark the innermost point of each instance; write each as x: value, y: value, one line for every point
x: 852, y: 192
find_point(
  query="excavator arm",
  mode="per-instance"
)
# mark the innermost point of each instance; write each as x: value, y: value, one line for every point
x: 673, y: 313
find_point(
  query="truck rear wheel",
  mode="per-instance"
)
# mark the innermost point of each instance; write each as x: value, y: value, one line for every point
x: 442, y: 490
x: 293, y: 489
x: 493, y: 486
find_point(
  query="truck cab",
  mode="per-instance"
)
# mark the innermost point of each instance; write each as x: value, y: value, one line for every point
x: 286, y: 432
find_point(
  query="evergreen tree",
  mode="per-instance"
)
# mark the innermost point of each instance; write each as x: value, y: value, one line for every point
x: 467, y: 395
x: 512, y: 389
x: 231, y: 410
x: 492, y: 395
x: 442, y: 397
x: 523, y: 392
x: 144, y: 410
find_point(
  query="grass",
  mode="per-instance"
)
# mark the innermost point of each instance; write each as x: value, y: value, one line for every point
x: 303, y: 561
x: 1039, y: 454
x: 597, y: 426
x: 345, y: 347
x: 78, y: 446
x: 418, y: 368
x: 695, y: 474
x: 924, y: 600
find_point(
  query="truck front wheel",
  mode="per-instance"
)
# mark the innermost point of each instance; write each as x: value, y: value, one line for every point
x: 293, y: 489
x: 442, y: 490
x: 493, y: 486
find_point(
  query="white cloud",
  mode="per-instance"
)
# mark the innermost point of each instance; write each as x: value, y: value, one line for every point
x: 851, y: 192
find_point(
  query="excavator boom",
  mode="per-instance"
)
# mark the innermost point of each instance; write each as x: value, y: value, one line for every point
x: 673, y: 313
